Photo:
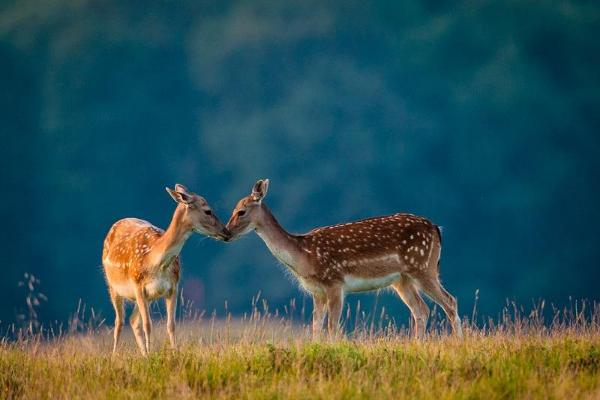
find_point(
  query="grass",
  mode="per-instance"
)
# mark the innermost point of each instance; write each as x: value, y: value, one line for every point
x: 266, y: 357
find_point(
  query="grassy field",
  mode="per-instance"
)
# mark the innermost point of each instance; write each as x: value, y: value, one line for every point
x: 267, y: 358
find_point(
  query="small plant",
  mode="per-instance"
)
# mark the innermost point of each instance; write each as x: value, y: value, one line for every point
x: 29, y: 320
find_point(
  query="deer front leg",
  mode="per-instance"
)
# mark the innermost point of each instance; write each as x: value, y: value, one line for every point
x: 136, y: 327
x: 319, y: 303
x: 117, y: 302
x: 171, y: 305
x: 335, y: 300
x: 142, y: 305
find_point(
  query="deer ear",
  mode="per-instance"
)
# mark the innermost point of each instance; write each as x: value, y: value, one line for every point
x: 182, y: 189
x: 259, y: 191
x: 187, y: 197
x: 180, y: 197
x: 173, y: 194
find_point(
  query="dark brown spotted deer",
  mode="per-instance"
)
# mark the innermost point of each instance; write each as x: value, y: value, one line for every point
x: 141, y: 262
x: 400, y: 250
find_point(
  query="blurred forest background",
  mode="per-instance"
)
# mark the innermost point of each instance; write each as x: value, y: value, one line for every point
x: 482, y: 115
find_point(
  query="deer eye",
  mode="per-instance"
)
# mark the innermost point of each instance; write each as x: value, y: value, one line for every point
x: 208, y: 212
x: 241, y: 213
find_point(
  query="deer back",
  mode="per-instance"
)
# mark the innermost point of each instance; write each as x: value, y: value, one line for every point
x: 372, y: 246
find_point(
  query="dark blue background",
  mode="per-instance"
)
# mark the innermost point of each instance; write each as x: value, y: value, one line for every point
x: 483, y: 116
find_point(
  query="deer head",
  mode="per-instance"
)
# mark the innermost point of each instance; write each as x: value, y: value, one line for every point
x: 197, y: 214
x: 247, y: 212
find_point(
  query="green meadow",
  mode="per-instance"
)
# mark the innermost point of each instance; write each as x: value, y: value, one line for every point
x: 268, y: 357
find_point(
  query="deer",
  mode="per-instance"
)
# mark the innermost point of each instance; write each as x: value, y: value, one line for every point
x: 141, y: 262
x: 399, y: 250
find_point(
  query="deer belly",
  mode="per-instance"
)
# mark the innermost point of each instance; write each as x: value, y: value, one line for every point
x: 158, y: 287
x: 359, y: 284
x: 124, y: 289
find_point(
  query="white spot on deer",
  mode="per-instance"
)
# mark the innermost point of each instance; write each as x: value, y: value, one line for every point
x: 422, y: 252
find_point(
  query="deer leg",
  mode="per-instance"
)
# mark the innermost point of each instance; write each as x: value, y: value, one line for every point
x: 143, y: 308
x: 335, y: 300
x: 409, y: 293
x: 433, y: 288
x: 117, y: 302
x: 136, y: 327
x: 319, y: 312
x: 171, y: 305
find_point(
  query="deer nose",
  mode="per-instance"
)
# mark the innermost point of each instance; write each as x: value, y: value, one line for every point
x: 225, y: 235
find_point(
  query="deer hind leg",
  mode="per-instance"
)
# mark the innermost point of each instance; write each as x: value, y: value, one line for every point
x: 142, y: 305
x: 319, y: 312
x: 409, y: 293
x: 117, y: 302
x: 136, y: 326
x: 171, y: 305
x: 433, y: 288
x: 335, y: 300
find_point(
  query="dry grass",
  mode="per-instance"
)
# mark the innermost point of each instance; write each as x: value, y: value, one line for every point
x: 266, y: 356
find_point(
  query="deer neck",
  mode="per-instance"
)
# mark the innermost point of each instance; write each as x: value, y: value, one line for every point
x: 169, y: 245
x: 284, y: 246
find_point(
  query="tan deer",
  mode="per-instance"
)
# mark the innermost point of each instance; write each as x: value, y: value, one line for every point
x: 141, y: 262
x: 400, y: 250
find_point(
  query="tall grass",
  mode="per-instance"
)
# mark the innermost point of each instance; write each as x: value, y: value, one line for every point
x: 535, y: 353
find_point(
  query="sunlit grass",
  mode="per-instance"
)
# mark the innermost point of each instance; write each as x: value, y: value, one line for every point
x: 264, y: 355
